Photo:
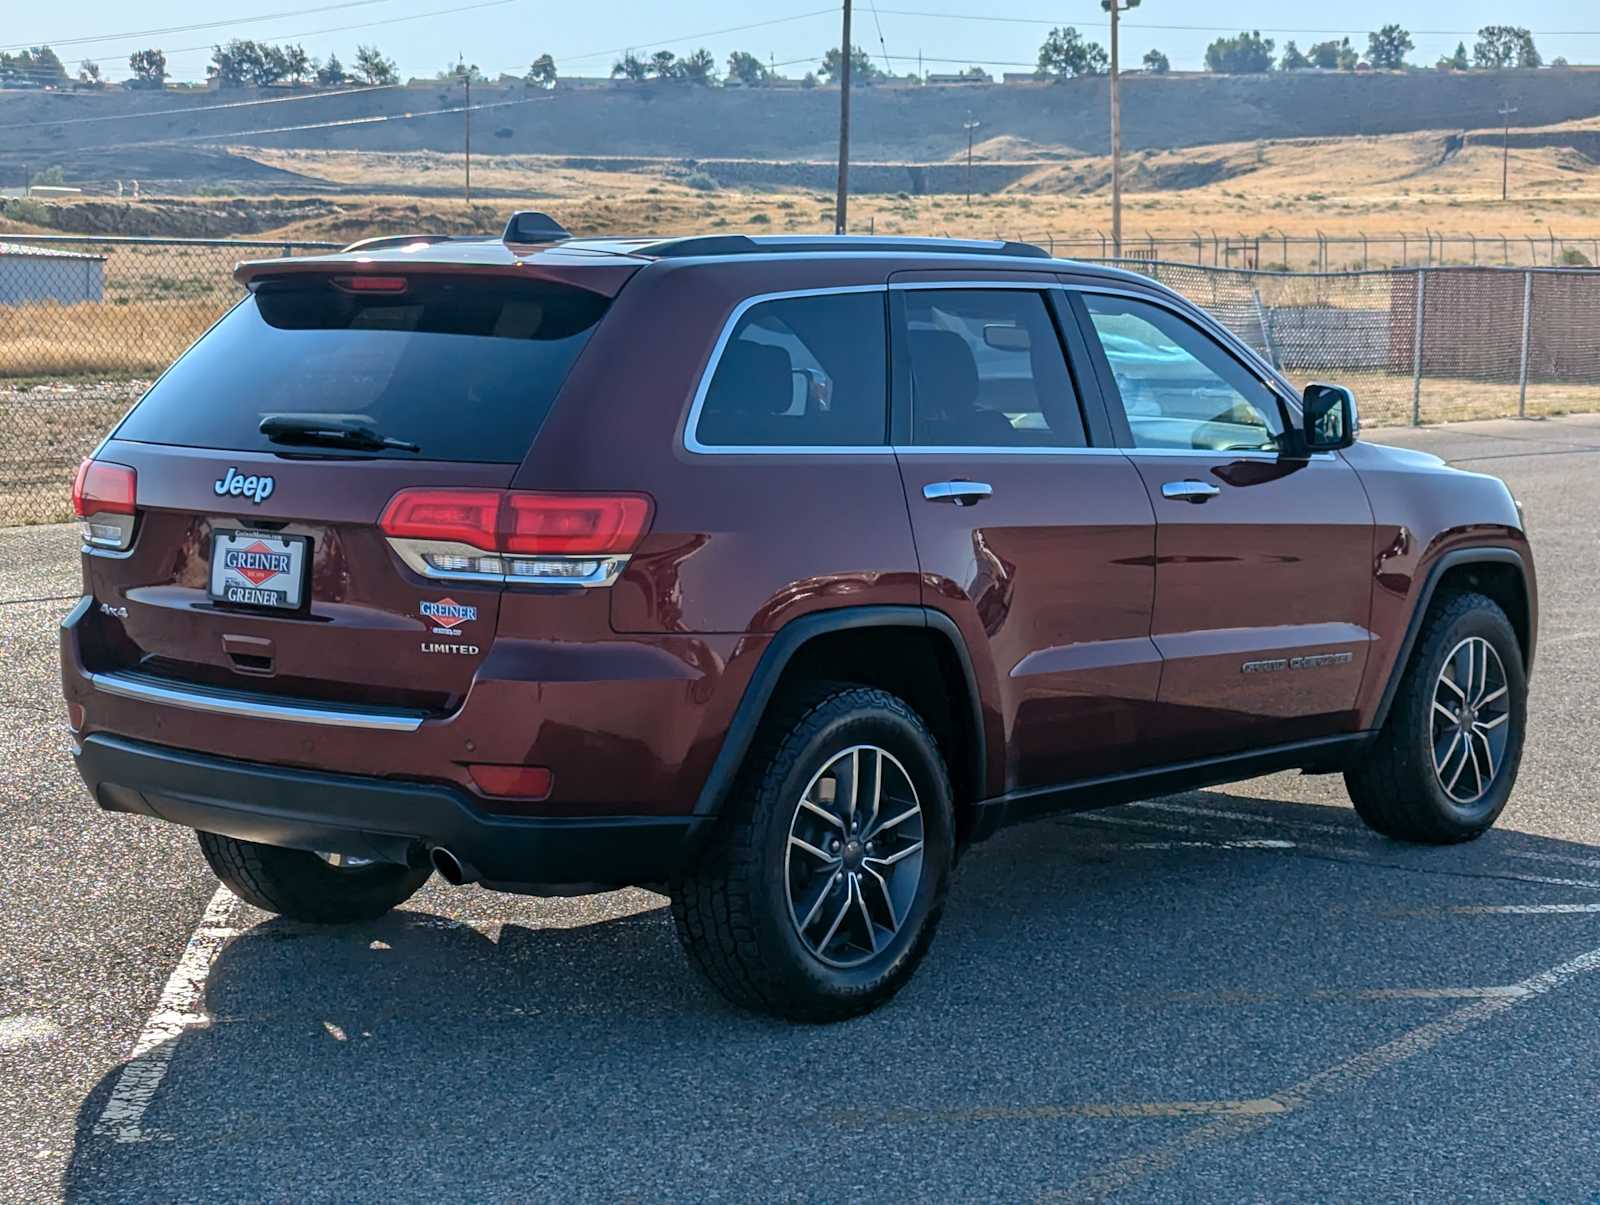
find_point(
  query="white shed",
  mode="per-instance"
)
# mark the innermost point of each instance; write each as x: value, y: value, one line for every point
x: 32, y: 273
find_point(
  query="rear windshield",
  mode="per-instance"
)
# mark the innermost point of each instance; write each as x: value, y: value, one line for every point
x: 465, y: 370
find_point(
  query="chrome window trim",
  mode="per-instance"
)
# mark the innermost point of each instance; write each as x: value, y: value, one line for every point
x: 691, y: 440
x: 1038, y: 286
x: 221, y: 702
x: 413, y: 553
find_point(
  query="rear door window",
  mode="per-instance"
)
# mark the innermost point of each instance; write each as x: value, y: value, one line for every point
x: 801, y: 372
x: 465, y: 369
x: 987, y: 371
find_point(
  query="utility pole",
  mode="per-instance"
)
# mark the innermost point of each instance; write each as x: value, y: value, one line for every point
x: 1116, y: 8
x: 466, y: 73
x: 1505, y: 153
x: 969, y: 126
x: 842, y: 200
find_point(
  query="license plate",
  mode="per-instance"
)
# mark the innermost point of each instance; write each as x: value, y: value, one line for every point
x: 258, y: 569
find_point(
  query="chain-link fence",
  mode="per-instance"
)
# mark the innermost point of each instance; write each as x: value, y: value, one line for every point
x: 86, y: 324
x: 1279, y: 251
x: 1418, y: 346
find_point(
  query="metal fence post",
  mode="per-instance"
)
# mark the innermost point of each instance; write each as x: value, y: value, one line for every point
x: 1527, y: 328
x: 1416, y: 355
x: 1266, y: 329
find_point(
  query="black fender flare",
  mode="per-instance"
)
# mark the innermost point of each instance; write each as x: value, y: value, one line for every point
x: 1486, y: 555
x: 788, y: 641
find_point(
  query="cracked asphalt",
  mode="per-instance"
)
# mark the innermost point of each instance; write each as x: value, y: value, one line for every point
x: 1228, y: 994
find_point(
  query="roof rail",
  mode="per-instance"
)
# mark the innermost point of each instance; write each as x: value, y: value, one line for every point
x: 744, y: 244
x: 531, y: 226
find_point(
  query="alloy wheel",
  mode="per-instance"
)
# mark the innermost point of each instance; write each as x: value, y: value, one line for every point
x: 1471, y: 720
x: 854, y: 856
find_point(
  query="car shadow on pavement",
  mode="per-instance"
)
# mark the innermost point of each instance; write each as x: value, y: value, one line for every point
x: 1208, y: 947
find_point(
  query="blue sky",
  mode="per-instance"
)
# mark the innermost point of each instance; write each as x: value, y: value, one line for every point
x: 586, y: 37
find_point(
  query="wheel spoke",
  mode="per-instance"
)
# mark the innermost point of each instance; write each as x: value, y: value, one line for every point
x: 1490, y: 725
x: 1488, y: 752
x: 1439, y: 763
x: 1462, y: 765
x: 822, y: 813
x: 1477, y: 770
x: 844, y: 911
x: 897, y: 856
x: 1487, y: 699
x: 816, y: 904
x: 1444, y: 711
x: 855, y: 784
x: 911, y: 811
x: 866, y: 916
x: 888, y: 901
x: 1444, y: 681
x: 826, y: 858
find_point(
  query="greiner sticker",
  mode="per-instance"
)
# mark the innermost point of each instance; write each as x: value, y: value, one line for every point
x: 447, y: 615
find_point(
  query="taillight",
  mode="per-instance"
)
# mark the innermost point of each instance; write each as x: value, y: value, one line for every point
x: 516, y: 535
x: 104, y: 496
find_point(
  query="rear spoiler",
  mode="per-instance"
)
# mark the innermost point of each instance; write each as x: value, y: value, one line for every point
x: 604, y: 276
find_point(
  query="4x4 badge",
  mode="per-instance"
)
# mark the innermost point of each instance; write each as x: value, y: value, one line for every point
x: 234, y: 484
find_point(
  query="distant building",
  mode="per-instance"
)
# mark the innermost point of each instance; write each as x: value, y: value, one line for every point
x: 972, y: 75
x: 31, y: 275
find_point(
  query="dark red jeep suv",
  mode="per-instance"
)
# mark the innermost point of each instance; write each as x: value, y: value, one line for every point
x: 772, y: 572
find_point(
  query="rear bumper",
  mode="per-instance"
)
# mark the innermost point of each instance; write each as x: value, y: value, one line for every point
x: 378, y: 818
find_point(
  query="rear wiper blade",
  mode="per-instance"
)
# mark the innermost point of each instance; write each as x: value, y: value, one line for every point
x: 343, y: 430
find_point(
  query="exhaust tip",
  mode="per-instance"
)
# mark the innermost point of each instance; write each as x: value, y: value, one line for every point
x: 451, y: 868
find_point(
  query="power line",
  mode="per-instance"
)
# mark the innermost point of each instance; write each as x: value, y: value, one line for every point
x: 882, y: 45
x: 907, y: 12
x: 155, y: 33
x: 688, y: 37
x: 178, y: 112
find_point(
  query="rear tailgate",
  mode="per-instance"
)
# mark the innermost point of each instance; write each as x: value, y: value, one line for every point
x: 257, y: 561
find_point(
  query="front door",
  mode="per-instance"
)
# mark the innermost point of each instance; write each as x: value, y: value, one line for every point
x: 1038, y: 544
x: 1263, y: 561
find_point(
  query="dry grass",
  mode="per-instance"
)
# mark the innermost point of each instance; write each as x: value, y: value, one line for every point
x: 92, y: 338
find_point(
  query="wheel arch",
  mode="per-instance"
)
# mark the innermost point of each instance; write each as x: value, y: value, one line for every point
x: 943, y: 688
x: 1498, y: 572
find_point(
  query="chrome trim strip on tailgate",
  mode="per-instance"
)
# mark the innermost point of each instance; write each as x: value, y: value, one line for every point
x: 218, y: 702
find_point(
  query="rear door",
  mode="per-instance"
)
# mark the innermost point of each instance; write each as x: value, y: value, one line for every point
x: 1263, y: 559
x: 1033, y: 533
x: 258, y: 562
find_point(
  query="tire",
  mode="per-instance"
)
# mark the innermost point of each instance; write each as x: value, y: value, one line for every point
x: 741, y: 909
x: 1396, y: 788
x: 303, y: 886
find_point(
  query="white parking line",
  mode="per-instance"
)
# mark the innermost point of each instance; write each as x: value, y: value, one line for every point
x: 1567, y: 859
x: 1261, y: 844
x: 1522, y: 909
x: 178, y: 1009
x: 1334, y: 1081
x: 1186, y: 809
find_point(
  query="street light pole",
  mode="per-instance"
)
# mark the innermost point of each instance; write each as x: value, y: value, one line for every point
x: 842, y: 200
x: 969, y: 126
x: 1116, y: 8
x: 1505, y: 153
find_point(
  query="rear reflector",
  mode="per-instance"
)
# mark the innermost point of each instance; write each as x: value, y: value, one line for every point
x: 521, y: 522
x: 520, y: 782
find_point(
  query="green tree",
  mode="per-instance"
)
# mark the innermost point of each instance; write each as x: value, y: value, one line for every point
x: 1065, y: 54
x: 1502, y: 46
x: 1246, y: 54
x: 1457, y: 61
x: 39, y: 67
x: 373, y: 69
x: 698, y: 68
x: 747, y: 69
x: 1292, y: 59
x: 1388, y: 47
x: 238, y: 64
x: 460, y: 70
x: 331, y: 74
x: 1334, y: 56
x: 297, y: 64
x: 861, y: 69
x: 89, y: 74
x: 630, y: 66
x: 149, y: 68
x: 664, y: 64
x: 1156, y: 63
x: 542, y: 72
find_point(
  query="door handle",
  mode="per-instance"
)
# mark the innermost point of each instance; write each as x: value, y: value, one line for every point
x: 1189, y: 491
x: 957, y: 493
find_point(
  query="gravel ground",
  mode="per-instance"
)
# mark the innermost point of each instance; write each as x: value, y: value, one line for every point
x: 1229, y: 994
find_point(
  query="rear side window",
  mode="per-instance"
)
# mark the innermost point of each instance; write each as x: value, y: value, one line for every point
x: 801, y: 372
x: 464, y: 369
x: 987, y: 371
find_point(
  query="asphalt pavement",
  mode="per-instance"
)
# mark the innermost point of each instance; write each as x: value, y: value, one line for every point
x: 1235, y: 993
